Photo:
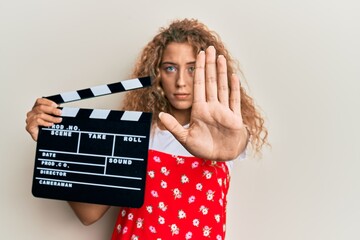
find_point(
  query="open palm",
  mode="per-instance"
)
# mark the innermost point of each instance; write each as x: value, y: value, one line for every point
x: 216, y: 130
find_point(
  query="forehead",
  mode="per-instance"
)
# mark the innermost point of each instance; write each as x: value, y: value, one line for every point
x: 178, y: 52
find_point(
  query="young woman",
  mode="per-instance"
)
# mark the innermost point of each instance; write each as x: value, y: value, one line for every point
x: 203, y: 119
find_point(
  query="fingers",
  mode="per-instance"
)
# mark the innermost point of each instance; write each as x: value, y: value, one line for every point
x: 199, y: 78
x: 210, y: 81
x: 44, y: 109
x: 205, y: 79
x: 44, y: 113
x: 223, y: 86
x: 45, y: 101
x: 33, y: 126
x: 173, y: 126
x: 211, y: 74
x: 235, y: 97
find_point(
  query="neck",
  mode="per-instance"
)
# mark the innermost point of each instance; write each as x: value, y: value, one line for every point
x: 182, y: 116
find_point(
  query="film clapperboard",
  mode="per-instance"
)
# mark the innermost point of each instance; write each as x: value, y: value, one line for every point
x: 94, y: 155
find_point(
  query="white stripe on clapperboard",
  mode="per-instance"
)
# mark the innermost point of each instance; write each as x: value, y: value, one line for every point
x: 70, y: 96
x: 101, y: 114
x: 131, y: 84
x: 131, y: 116
x: 69, y: 112
x: 100, y: 90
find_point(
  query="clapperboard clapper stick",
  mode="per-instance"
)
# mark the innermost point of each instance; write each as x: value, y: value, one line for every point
x: 94, y: 155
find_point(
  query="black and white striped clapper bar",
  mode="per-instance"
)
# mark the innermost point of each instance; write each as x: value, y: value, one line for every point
x: 94, y: 155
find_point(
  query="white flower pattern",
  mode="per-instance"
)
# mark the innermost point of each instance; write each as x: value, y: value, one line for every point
x: 181, y: 214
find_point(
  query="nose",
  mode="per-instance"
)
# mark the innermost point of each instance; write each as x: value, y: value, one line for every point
x: 180, y: 80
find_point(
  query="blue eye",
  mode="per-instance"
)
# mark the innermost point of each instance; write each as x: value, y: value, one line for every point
x: 170, y: 69
x: 191, y: 69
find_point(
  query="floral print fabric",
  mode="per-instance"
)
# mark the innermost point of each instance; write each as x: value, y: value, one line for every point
x: 185, y: 198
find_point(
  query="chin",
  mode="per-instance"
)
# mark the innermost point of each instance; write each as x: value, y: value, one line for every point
x: 181, y: 107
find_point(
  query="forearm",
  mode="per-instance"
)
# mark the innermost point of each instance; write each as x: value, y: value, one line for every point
x: 88, y: 213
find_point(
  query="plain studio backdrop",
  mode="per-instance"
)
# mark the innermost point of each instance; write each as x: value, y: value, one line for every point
x: 301, y: 62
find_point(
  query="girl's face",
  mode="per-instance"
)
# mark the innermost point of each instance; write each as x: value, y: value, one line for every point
x: 177, y: 72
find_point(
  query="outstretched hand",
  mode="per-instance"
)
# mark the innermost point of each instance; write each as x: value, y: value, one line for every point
x: 216, y: 130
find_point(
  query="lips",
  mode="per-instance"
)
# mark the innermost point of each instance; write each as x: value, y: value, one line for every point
x: 181, y: 95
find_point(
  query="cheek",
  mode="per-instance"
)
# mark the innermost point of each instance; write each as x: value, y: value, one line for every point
x: 191, y: 80
x: 166, y: 81
x: 190, y: 83
x: 165, y: 86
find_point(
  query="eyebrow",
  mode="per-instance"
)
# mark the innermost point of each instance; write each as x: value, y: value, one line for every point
x: 172, y: 63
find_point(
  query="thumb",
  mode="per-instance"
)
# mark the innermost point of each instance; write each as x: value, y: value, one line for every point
x: 173, y: 126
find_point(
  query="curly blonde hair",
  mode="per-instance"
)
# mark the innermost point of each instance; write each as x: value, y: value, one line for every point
x: 200, y: 37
